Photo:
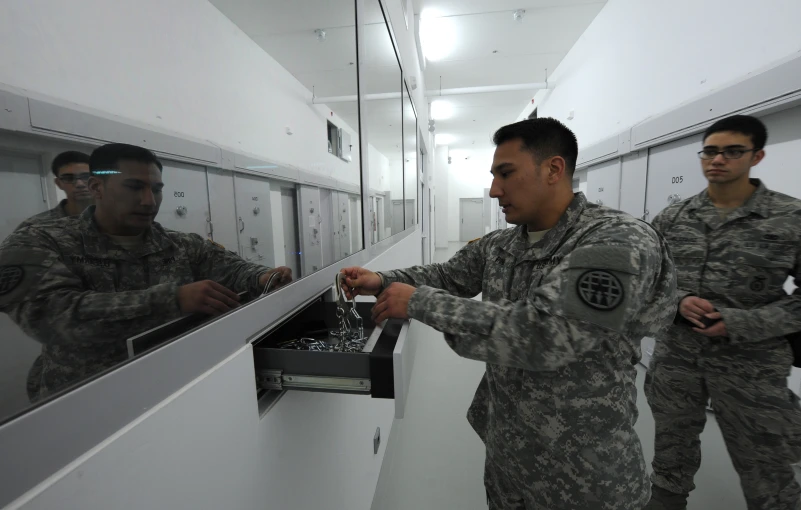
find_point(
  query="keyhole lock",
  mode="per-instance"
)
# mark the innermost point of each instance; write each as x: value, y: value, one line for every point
x: 256, y: 211
x: 181, y: 211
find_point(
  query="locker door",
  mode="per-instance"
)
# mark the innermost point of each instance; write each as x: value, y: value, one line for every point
x: 355, y: 223
x: 633, y: 175
x: 343, y: 218
x: 185, y: 203
x: 255, y: 224
x: 381, y: 229
x: 289, y: 210
x: 21, y: 190
x: 21, y: 196
x: 603, y: 184
x: 310, y: 226
x: 674, y: 174
x: 328, y: 226
x: 373, y: 221
x: 779, y: 169
x: 222, y: 202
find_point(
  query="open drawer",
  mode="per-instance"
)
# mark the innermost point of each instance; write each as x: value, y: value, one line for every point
x: 382, y: 369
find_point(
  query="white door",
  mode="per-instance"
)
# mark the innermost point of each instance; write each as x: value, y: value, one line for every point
x: 397, y: 216
x: 185, y: 202
x: 603, y: 184
x: 633, y: 176
x: 674, y: 174
x: 471, y: 223
x: 222, y: 204
x: 328, y: 226
x: 289, y: 215
x: 253, y: 216
x: 21, y: 196
x: 380, y: 215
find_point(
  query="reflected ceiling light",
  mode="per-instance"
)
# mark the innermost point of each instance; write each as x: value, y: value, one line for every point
x: 437, y: 35
x: 441, y: 109
x: 444, y: 139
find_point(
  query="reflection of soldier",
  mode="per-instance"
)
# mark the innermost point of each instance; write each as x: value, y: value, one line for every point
x: 734, y: 246
x: 81, y: 286
x: 72, y: 176
x: 567, y: 296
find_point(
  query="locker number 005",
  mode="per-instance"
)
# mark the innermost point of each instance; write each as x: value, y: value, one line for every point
x: 678, y: 180
x: 179, y: 194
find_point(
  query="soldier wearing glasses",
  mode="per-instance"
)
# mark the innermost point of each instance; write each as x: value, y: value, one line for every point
x: 71, y: 169
x: 734, y: 246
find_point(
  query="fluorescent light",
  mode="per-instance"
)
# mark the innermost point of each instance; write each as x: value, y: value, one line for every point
x: 444, y: 139
x: 437, y: 36
x: 441, y: 109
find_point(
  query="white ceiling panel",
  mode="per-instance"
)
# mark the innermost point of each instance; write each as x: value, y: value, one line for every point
x: 462, y: 7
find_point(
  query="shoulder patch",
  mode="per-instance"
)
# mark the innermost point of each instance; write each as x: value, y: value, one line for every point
x: 10, y: 278
x: 600, y: 289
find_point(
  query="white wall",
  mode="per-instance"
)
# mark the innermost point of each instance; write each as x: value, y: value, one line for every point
x: 441, y: 178
x: 638, y: 59
x: 176, y: 64
x: 196, y: 449
x: 467, y: 178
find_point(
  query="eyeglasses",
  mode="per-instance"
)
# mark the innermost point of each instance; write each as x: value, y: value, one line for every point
x: 727, y: 153
x: 71, y: 178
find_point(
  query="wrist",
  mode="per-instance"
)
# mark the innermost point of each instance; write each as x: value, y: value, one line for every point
x: 383, y: 284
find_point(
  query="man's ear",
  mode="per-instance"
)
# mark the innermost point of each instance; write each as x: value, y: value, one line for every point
x: 59, y: 184
x: 96, y: 187
x: 556, y: 169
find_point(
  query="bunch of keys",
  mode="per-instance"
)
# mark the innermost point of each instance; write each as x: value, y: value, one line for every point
x: 350, y: 340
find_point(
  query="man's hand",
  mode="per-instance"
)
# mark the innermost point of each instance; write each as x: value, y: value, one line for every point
x: 393, y: 303
x: 693, y: 308
x: 206, y: 297
x: 283, y: 278
x: 360, y: 282
x: 717, y: 329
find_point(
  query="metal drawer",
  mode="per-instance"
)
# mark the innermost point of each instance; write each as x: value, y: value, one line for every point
x: 381, y: 370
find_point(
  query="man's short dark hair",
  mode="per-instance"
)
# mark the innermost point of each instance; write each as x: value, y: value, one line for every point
x: 544, y: 137
x: 68, y: 158
x: 108, y: 157
x: 743, y: 124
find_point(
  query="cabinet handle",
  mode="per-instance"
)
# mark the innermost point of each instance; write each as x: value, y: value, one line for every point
x: 241, y: 225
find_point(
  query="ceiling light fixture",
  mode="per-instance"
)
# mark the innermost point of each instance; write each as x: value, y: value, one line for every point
x: 437, y: 35
x: 441, y: 109
x: 444, y: 139
x: 320, y: 33
x: 518, y: 15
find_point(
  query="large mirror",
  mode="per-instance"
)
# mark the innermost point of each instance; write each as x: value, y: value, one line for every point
x: 103, y: 245
x: 384, y: 124
x: 410, y: 179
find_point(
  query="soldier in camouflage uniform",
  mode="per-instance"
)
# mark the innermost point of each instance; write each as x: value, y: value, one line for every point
x: 734, y: 245
x: 567, y: 297
x: 82, y: 286
x: 71, y: 169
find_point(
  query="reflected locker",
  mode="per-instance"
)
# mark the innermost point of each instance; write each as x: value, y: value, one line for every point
x: 603, y: 184
x: 355, y: 223
x: 255, y: 225
x: 311, y: 219
x: 470, y: 211
x: 222, y: 205
x: 397, y: 216
x: 327, y: 226
x: 22, y: 195
x: 674, y: 174
x: 289, y: 209
x: 185, y: 202
x: 633, y: 176
x: 343, y: 218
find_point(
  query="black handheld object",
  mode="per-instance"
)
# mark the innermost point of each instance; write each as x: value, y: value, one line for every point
x: 707, y: 322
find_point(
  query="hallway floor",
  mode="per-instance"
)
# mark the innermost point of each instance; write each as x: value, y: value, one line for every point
x: 437, y: 460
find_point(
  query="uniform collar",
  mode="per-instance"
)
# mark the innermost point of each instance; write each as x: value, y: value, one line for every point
x: 758, y: 203
x: 61, y: 208
x: 522, y: 249
x: 97, y: 244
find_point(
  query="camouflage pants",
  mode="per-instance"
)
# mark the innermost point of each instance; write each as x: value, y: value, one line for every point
x: 758, y: 415
x: 503, y: 493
